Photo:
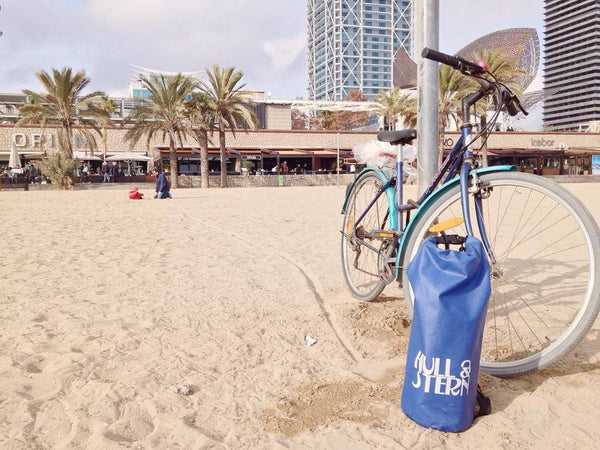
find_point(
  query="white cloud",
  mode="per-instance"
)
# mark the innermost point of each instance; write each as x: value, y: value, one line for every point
x: 283, y: 52
x: 263, y: 38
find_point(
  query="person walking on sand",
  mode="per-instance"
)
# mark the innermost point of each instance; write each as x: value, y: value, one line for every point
x: 114, y: 169
x: 162, y: 186
x: 105, y: 172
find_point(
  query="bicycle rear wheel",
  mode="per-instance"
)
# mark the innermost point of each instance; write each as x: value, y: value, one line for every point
x: 545, y: 290
x: 362, y: 263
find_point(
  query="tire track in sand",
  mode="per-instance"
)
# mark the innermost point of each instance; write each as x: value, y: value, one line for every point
x: 310, y: 279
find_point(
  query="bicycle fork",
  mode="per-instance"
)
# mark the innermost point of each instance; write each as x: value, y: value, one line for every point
x: 471, y: 184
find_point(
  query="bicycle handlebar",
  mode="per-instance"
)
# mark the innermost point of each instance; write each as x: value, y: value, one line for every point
x: 510, y: 100
x: 455, y: 62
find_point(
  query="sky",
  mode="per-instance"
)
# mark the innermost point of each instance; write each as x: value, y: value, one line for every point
x: 266, y: 39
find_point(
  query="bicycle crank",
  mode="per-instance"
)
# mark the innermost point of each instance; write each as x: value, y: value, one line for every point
x: 386, y: 261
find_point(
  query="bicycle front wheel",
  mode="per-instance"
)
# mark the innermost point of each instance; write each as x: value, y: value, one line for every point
x: 545, y: 293
x: 364, y: 269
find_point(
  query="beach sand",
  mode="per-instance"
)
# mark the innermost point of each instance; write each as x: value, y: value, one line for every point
x: 108, y: 306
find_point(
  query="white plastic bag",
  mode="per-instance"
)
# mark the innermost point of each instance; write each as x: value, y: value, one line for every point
x: 383, y: 156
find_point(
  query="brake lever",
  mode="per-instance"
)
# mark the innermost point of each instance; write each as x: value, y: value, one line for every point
x: 512, y: 102
x: 521, y: 108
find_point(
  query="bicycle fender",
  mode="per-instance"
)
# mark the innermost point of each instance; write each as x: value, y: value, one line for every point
x: 432, y: 198
x: 389, y: 193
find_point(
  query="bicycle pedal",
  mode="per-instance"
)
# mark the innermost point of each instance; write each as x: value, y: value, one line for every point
x: 384, y: 234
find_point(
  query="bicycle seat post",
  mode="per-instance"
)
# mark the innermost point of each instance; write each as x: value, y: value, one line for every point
x: 399, y: 180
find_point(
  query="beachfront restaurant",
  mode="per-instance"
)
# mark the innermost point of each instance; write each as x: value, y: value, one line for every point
x: 302, y: 151
x: 543, y: 153
x: 262, y: 160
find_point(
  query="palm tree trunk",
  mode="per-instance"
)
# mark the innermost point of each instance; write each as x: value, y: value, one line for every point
x: 203, y: 141
x: 223, y: 155
x: 68, y: 141
x: 173, y: 162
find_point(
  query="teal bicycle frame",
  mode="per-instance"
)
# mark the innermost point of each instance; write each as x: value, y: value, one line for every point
x: 392, y: 188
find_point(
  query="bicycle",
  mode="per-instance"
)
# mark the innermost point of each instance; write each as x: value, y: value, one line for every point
x: 542, y: 243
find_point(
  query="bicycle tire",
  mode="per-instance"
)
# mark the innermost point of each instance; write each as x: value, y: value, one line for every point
x: 545, y: 290
x: 360, y: 264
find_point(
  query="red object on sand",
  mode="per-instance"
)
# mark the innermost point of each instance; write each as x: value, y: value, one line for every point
x: 134, y: 194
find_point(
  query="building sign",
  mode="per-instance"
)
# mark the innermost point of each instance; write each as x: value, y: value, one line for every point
x: 32, y: 140
x: 542, y: 142
x: 448, y: 142
x: 37, y: 141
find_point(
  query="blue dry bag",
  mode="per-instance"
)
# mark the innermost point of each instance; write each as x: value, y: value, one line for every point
x: 451, y: 291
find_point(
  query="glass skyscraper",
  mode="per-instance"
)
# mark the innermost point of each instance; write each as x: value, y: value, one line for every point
x: 352, y: 44
x: 572, y: 64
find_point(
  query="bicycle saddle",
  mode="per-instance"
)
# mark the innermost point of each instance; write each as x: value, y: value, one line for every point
x: 397, y: 137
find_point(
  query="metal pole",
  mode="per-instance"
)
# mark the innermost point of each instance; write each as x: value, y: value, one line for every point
x: 428, y: 20
x: 337, y: 163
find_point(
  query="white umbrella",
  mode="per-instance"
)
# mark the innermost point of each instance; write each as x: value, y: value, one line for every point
x: 84, y: 156
x: 128, y: 156
x: 14, y: 161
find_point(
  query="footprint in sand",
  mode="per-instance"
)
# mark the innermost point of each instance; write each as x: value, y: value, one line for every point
x: 29, y: 363
x: 133, y: 425
x: 40, y: 318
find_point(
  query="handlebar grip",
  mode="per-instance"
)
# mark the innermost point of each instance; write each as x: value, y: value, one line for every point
x: 440, y: 57
x: 456, y: 62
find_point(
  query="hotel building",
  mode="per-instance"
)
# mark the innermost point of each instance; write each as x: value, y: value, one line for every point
x: 572, y: 64
x: 352, y: 45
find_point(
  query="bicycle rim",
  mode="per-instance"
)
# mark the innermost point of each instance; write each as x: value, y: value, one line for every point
x: 359, y: 262
x: 544, y: 285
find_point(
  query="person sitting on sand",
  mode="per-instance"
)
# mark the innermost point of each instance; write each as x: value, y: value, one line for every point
x: 134, y: 194
x: 162, y: 186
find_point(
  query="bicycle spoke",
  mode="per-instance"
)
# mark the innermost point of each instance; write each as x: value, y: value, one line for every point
x: 361, y: 247
x: 544, y: 293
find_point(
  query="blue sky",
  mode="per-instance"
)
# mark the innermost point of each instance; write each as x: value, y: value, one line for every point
x: 264, y: 38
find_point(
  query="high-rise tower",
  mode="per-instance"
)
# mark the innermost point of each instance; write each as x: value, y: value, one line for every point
x: 572, y: 63
x: 352, y: 44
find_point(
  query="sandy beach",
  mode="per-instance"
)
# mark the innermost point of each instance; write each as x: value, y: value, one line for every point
x: 110, y: 306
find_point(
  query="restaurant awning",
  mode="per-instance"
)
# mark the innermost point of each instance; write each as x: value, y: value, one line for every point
x: 580, y: 151
x: 5, y: 155
x: 85, y: 156
x: 128, y: 156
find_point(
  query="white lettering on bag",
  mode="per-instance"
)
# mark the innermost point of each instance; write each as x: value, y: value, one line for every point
x: 432, y: 379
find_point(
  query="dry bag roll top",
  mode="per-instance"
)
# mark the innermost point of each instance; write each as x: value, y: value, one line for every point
x: 451, y: 293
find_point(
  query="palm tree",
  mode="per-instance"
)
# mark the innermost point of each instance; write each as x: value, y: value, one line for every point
x: 505, y: 71
x: 64, y: 103
x: 163, y: 112
x: 231, y: 107
x: 110, y: 107
x: 349, y: 120
x: 200, y: 113
x: 453, y: 86
x: 325, y: 120
x: 394, y: 103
